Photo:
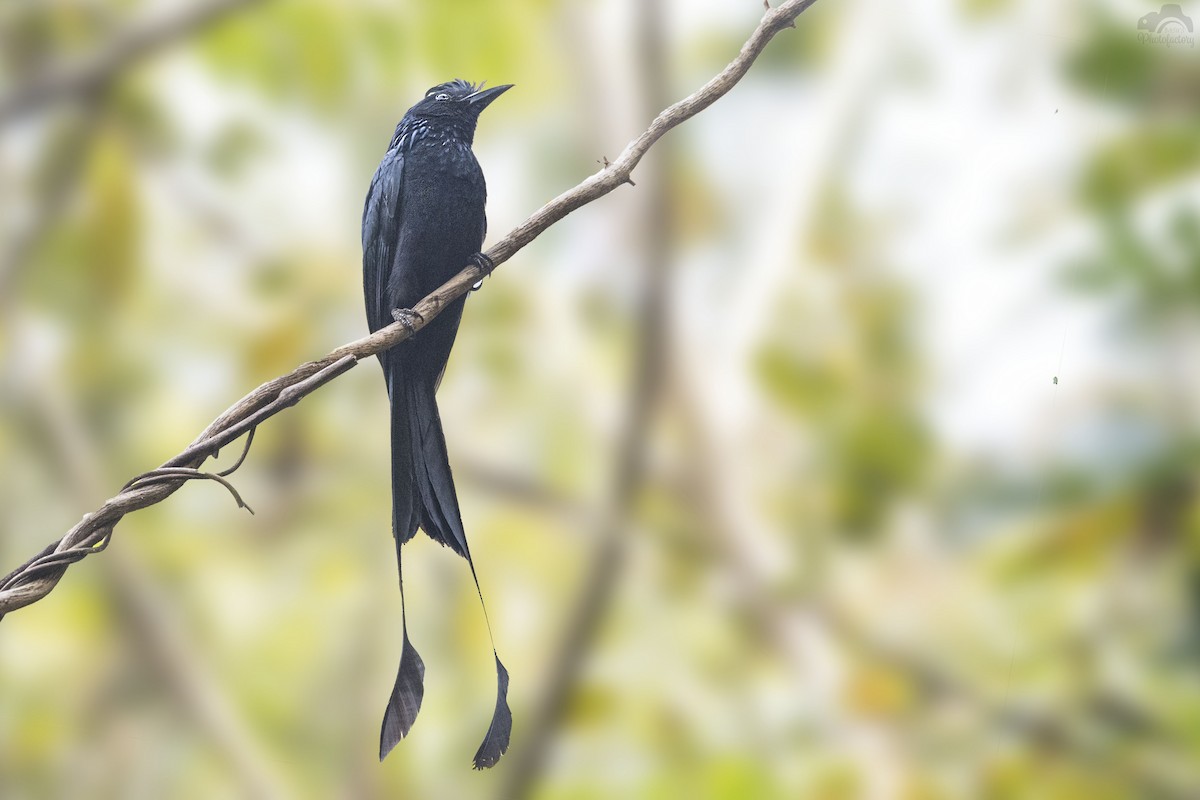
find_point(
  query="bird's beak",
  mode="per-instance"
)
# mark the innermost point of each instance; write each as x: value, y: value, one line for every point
x: 483, y: 98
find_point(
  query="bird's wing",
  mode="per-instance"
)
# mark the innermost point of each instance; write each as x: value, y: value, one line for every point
x: 380, y: 235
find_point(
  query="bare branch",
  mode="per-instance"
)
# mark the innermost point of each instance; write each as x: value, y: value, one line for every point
x: 137, y: 42
x: 38, y: 576
x: 147, y: 617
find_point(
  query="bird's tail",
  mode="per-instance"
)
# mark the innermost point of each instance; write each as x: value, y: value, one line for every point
x: 433, y: 495
x: 409, y: 690
x: 422, y: 485
x: 423, y: 495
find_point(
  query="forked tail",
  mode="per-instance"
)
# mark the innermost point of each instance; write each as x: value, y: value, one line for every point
x: 423, y: 495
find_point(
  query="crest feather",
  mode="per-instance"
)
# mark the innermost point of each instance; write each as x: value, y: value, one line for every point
x: 457, y: 87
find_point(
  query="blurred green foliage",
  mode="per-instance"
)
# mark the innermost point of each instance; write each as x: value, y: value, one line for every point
x: 826, y: 592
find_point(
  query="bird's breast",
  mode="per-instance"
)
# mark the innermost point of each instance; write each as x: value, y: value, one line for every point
x: 445, y: 175
x: 443, y: 212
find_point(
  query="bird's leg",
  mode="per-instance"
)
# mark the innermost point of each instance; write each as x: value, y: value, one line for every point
x: 408, y: 318
x: 485, y: 264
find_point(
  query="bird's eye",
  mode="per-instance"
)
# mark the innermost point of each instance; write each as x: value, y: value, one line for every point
x: 442, y: 96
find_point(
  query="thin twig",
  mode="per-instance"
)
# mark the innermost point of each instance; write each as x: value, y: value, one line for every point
x: 181, y: 474
x: 225, y: 473
x: 27, y: 584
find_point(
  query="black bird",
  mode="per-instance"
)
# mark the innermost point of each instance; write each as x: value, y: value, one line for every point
x: 423, y: 221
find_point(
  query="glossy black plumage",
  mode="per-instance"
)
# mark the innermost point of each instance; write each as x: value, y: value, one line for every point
x: 423, y: 221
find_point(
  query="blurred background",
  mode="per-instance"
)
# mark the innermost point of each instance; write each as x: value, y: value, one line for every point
x: 850, y: 454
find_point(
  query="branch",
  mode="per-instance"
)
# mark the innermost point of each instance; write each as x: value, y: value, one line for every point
x: 38, y: 576
x: 605, y: 565
x: 147, y: 617
x: 523, y: 489
x: 64, y: 161
x: 137, y: 42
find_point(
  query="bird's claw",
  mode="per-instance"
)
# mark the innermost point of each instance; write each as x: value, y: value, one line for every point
x: 408, y: 318
x: 485, y: 264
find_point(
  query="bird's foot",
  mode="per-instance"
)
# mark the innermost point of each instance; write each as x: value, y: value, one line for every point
x: 408, y: 318
x: 485, y: 264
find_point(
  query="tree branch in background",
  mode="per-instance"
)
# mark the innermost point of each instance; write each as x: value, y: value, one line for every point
x: 524, y: 490
x: 64, y: 165
x: 38, y: 576
x: 70, y: 81
x: 605, y: 565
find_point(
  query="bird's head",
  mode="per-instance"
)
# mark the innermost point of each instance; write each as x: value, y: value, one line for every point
x: 454, y: 105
